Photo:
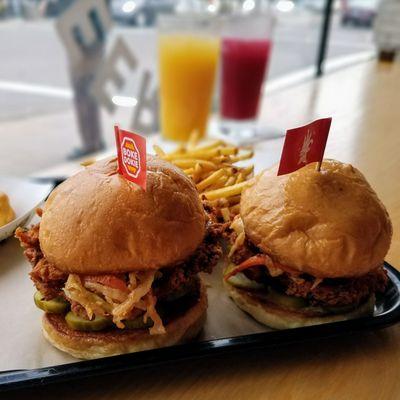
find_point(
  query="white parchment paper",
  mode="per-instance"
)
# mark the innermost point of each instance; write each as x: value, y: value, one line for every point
x: 22, y: 345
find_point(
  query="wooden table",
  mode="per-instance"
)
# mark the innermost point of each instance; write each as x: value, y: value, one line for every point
x: 364, y: 102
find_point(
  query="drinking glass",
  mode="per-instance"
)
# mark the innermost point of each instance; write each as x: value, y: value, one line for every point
x: 246, y: 47
x: 188, y: 56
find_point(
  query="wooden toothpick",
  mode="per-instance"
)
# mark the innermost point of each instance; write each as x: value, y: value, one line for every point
x: 319, y: 166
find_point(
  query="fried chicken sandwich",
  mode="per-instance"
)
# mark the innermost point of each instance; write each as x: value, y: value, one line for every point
x: 308, y: 247
x: 116, y: 267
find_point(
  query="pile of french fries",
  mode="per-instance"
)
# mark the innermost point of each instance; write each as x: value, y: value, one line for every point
x: 212, y: 168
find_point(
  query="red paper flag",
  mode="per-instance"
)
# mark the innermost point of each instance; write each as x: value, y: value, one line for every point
x: 304, y: 145
x: 131, y: 149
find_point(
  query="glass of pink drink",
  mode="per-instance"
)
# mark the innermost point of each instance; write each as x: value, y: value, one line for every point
x: 245, y: 52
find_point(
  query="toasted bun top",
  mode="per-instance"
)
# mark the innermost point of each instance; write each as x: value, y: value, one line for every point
x: 328, y: 223
x: 98, y: 222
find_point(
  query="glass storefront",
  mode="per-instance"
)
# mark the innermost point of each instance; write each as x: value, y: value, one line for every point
x: 38, y: 122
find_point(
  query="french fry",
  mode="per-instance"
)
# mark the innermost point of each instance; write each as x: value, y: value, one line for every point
x: 198, y: 170
x: 189, y: 171
x: 211, y: 166
x: 240, y: 178
x: 229, y: 151
x: 207, y: 173
x: 219, y: 183
x: 231, y: 180
x: 179, y: 150
x: 241, y: 157
x: 159, y: 151
x: 211, y: 145
x: 199, y: 154
x: 225, y: 164
x: 226, y: 215
x: 247, y: 170
x: 88, y: 162
x: 229, y: 171
x: 211, y: 179
x: 188, y: 163
x: 185, y: 163
x: 225, y: 191
x: 220, y: 160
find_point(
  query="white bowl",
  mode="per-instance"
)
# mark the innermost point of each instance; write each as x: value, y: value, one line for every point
x: 25, y: 196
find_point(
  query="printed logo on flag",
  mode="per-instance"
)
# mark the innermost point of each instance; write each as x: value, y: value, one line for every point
x: 130, y: 157
x: 304, y: 145
x: 131, y: 149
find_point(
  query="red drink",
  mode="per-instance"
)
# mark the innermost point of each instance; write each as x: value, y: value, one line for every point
x: 244, y: 62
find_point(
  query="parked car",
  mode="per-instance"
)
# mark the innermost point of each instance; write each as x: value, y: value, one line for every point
x: 140, y: 12
x: 359, y: 12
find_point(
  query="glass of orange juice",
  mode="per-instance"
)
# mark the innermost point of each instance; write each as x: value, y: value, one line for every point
x: 188, y: 56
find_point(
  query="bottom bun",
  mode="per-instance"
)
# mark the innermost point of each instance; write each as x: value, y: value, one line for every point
x: 90, y: 345
x: 276, y: 317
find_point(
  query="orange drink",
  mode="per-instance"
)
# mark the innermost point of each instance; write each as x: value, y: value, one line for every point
x: 187, y: 66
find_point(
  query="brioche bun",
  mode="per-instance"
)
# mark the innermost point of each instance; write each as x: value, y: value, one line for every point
x: 98, y: 222
x: 276, y: 317
x: 90, y: 345
x: 329, y: 224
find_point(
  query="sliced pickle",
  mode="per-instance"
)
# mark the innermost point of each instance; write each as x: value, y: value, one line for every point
x: 80, y: 324
x: 285, y: 300
x: 54, y: 306
x: 240, y: 280
x: 138, y: 323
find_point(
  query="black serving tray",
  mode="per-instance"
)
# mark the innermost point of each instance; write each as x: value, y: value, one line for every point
x: 387, y: 313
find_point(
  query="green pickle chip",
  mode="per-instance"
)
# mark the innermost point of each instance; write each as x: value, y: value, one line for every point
x: 138, y: 323
x: 284, y: 300
x: 81, y: 324
x: 54, y: 306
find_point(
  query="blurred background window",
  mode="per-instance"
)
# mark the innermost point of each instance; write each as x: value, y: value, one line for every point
x: 38, y: 127
x: 351, y: 37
